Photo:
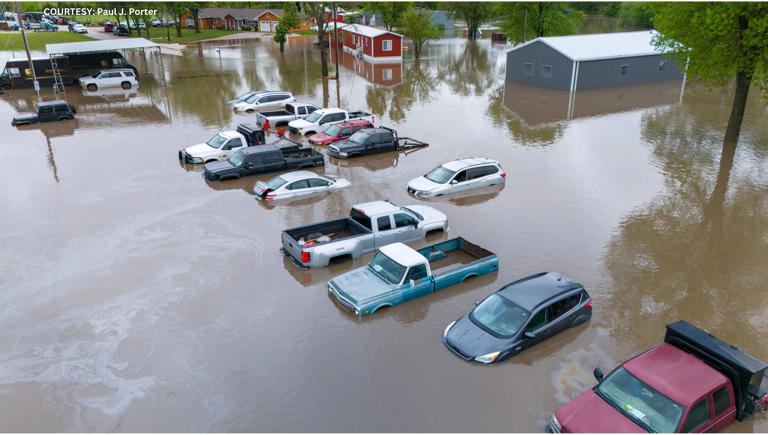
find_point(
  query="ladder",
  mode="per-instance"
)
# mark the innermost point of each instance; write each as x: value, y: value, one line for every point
x: 58, y: 83
x: 160, y: 65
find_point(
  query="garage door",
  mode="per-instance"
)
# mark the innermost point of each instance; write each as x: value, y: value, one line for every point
x: 264, y: 26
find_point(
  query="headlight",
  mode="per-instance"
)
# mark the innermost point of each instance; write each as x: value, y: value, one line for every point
x: 357, y: 312
x: 555, y: 425
x: 447, y: 328
x: 423, y: 193
x: 197, y: 160
x: 488, y: 358
x: 344, y: 154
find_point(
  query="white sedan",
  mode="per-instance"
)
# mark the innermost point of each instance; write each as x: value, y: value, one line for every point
x: 297, y: 183
x: 79, y: 28
x: 457, y: 176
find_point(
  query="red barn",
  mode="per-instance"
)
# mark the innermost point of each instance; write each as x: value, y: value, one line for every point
x: 371, y: 43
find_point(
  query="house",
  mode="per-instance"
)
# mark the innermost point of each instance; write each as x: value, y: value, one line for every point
x: 370, y: 43
x: 263, y: 20
x: 590, y: 61
x: 379, y: 73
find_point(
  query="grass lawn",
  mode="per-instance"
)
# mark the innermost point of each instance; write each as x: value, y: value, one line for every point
x: 305, y: 32
x: 160, y: 34
x: 38, y: 40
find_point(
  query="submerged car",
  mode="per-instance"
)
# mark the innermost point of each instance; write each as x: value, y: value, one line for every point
x: 297, y: 183
x: 58, y: 110
x: 518, y: 316
x: 263, y: 100
x: 125, y: 78
x: 457, y: 176
x: 337, y: 132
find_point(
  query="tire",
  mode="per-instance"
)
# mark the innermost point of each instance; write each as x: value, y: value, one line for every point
x: 339, y: 259
x: 249, y: 111
x: 91, y: 87
x: 309, y: 133
x: 125, y: 85
x: 64, y: 118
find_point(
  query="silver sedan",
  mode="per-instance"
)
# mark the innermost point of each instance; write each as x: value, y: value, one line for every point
x: 297, y: 183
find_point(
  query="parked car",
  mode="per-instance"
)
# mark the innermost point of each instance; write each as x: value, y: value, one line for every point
x: 264, y: 100
x: 109, y: 27
x: 297, y: 183
x: 311, y: 124
x: 372, y: 141
x: 71, y: 25
x: 456, y: 176
x: 222, y: 145
x: 281, y: 117
x: 58, y: 110
x: 245, y: 96
x: 48, y: 27
x: 79, y: 28
x: 336, y: 132
x: 398, y: 273
x: 262, y: 159
x: 121, y: 30
x: 125, y: 78
x: 518, y: 316
x: 369, y: 226
x: 693, y: 382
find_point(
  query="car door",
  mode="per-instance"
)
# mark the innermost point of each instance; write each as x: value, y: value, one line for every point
x: 723, y: 410
x: 481, y: 176
x: 459, y: 181
x: 417, y: 282
x: 317, y: 185
x: 297, y: 188
x: 536, y: 329
x: 562, y: 312
x: 386, y: 232
x: 45, y: 114
x: 272, y: 161
x: 405, y: 227
x: 113, y: 79
x: 345, y: 133
x: 62, y: 111
x: 698, y: 418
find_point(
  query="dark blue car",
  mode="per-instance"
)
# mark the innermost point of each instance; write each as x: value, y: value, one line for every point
x: 518, y: 316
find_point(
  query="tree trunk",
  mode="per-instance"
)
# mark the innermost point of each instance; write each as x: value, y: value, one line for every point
x: 197, y: 22
x: 323, y: 54
x: 743, y: 81
x: 281, y: 46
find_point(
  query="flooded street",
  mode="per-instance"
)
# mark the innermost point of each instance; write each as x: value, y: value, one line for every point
x: 135, y: 297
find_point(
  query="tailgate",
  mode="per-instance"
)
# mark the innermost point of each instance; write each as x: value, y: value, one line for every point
x: 291, y: 247
x: 260, y: 119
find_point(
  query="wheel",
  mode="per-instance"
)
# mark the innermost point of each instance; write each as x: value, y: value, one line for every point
x: 92, y: 87
x: 63, y: 118
x: 249, y: 111
x: 125, y: 85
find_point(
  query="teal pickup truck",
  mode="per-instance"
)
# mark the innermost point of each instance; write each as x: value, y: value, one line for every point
x: 398, y: 273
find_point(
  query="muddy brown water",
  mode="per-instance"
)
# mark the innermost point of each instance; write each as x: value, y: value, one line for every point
x: 134, y: 296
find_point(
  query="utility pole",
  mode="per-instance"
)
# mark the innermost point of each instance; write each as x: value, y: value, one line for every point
x: 336, y: 41
x: 29, y: 56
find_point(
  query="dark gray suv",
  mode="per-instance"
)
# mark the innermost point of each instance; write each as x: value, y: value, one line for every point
x: 58, y: 110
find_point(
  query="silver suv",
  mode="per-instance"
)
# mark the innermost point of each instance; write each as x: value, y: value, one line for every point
x: 457, y: 176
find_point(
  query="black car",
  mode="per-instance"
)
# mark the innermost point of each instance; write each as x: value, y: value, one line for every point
x: 518, y: 316
x: 371, y: 141
x: 121, y: 30
x: 282, y: 155
x: 48, y: 111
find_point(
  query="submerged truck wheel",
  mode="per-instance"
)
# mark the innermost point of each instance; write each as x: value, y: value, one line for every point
x: 125, y: 85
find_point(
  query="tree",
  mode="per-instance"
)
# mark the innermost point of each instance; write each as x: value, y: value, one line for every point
x: 528, y: 20
x: 474, y: 14
x: 194, y: 9
x: 176, y: 10
x: 280, y: 35
x: 419, y: 27
x: 317, y: 11
x: 391, y: 12
x: 636, y: 14
x: 288, y: 21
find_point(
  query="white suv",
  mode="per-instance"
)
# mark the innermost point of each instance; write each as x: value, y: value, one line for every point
x: 456, y: 176
x: 262, y: 100
x: 125, y: 78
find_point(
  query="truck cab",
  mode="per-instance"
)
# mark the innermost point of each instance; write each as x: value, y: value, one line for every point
x: 365, y: 142
x: 312, y: 122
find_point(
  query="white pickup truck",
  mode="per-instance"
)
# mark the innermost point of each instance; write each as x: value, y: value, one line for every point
x: 281, y: 117
x: 319, y: 118
x: 223, y: 145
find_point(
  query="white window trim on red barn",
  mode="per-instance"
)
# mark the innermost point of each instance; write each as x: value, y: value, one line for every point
x: 384, y: 45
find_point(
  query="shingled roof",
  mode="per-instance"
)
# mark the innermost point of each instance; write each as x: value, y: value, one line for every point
x: 247, y: 14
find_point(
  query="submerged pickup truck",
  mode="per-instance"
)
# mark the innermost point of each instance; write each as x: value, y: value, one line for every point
x: 291, y: 112
x: 398, y: 273
x: 223, y: 145
x: 312, y: 123
x: 372, y: 141
x: 693, y: 382
x: 369, y: 226
x: 282, y: 155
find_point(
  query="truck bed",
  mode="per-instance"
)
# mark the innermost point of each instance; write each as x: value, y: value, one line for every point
x: 360, y: 114
x: 336, y: 230
x: 300, y: 153
x: 275, y: 113
x: 451, y: 261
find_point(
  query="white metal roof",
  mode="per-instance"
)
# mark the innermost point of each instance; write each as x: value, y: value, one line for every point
x: 601, y: 45
x: 369, y: 31
x: 95, y: 46
x: 459, y: 164
x: 403, y: 254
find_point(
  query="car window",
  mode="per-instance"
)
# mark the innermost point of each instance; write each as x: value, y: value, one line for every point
x: 128, y: 73
x: 360, y: 218
x: 302, y: 110
x: 62, y: 108
x: 698, y: 415
x: 557, y: 309
x: 233, y: 143
x: 262, y: 100
x: 403, y: 220
x: 417, y: 272
x: 461, y: 176
x: 115, y: 74
x: 384, y: 223
x: 345, y: 132
x: 318, y: 182
x: 338, y: 116
x: 311, y: 109
x: 356, y: 127
x: 537, y: 321
x: 722, y: 400
x: 45, y: 110
x: 301, y: 184
x: 481, y: 171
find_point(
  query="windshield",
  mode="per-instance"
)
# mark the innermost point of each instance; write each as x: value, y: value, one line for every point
x: 499, y: 316
x: 359, y: 137
x: 237, y: 158
x: 387, y: 268
x: 647, y: 407
x: 96, y: 75
x: 439, y: 175
x: 314, y: 116
x: 275, y: 183
x: 216, y: 141
x: 244, y: 96
x: 333, y: 130
x: 252, y: 98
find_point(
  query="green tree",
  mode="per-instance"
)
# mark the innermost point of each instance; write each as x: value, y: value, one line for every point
x: 419, y: 27
x: 391, y: 12
x: 194, y: 9
x: 636, y: 14
x: 528, y: 20
x: 280, y: 35
x: 474, y: 14
x: 288, y: 21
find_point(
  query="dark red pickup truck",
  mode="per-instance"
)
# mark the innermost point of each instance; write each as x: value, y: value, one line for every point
x: 339, y: 131
x: 693, y: 382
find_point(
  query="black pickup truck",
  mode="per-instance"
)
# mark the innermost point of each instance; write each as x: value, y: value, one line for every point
x: 262, y: 159
x: 372, y: 141
x: 47, y: 111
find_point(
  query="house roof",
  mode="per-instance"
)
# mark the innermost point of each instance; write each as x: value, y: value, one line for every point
x: 600, y: 45
x: 367, y: 30
x: 96, y: 46
x: 237, y: 12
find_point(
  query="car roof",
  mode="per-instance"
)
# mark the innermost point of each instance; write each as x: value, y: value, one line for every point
x: 353, y: 122
x: 532, y: 291
x: 402, y: 254
x: 298, y: 175
x: 327, y: 110
x: 259, y: 149
x: 459, y: 164
x: 675, y: 373
x: 229, y: 134
x: 376, y: 207
x: 52, y: 103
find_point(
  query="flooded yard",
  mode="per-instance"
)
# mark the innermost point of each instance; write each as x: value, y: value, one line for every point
x: 134, y: 296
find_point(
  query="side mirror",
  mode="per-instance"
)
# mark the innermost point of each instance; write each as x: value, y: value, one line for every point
x: 412, y: 283
x: 454, y: 181
x: 477, y: 302
x: 598, y: 374
x: 529, y: 334
x: 248, y: 165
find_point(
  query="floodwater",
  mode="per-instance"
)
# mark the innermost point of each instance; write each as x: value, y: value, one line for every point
x: 136, y: 297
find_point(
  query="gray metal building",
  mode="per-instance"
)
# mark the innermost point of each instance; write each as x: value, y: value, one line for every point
x: 590, y: 61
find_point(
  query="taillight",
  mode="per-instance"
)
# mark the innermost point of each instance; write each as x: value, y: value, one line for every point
x: 271, y: 196
x: 589, y: 304
x: 503, y: 175
x: 304, y: 257
x: 281, y: 238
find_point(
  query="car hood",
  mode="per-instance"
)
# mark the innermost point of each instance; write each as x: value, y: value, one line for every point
x: 200, y: 150
x: 299, y: 123
x: 422, y: 183
x: 320, y: 138
x: 588, y: 412
x: 25, y: 117
x: 429, y: 214
x: 362, y: 284
x: 346, y: 143
x: 471, y: 339
x: 219, y: 166
x: 242, y: 105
